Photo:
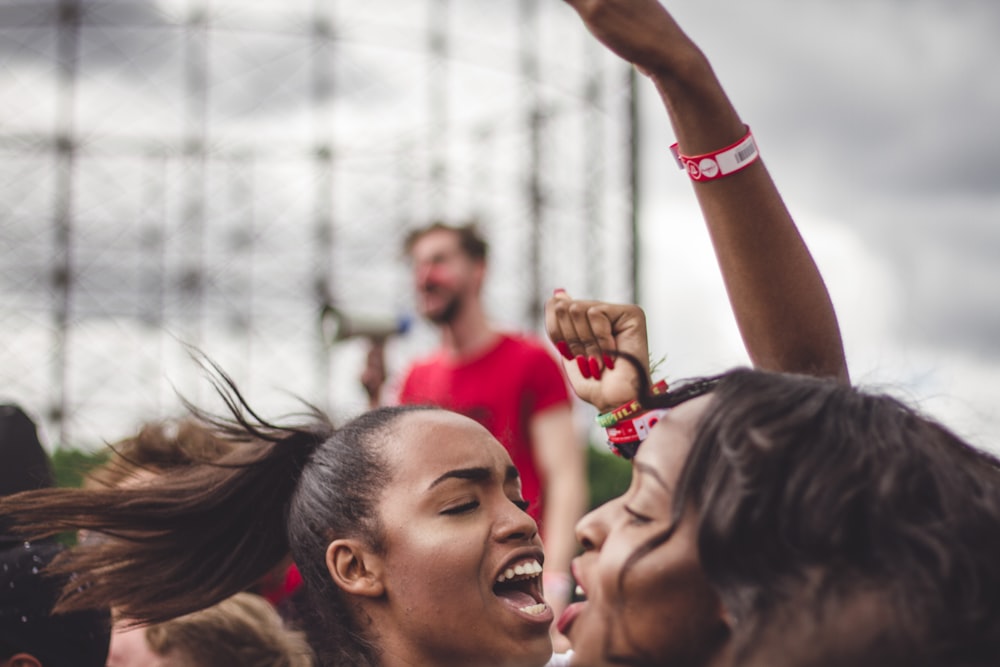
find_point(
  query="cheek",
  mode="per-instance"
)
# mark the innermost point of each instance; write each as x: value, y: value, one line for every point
x: 664, y: 609
x: 429, y: 569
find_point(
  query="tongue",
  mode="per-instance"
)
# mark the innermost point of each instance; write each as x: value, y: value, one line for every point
x: 515, y: 598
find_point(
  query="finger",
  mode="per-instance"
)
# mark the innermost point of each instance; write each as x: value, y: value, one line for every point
x: 604, y: 335
x: 591, y: 364
x: 557, y: 324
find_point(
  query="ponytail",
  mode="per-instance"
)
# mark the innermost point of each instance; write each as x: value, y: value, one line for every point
x: 186, y: 539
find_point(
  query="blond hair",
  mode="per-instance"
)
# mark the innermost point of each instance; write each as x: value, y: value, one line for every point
x: 241, y: 631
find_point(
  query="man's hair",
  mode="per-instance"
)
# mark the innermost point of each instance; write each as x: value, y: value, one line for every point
x: 470, y: 240
x: 241, y: 631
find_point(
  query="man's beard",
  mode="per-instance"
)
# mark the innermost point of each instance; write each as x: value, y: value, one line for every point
x: 447, y: 314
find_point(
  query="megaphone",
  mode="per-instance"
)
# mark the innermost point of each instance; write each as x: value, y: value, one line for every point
x: 338, y: 325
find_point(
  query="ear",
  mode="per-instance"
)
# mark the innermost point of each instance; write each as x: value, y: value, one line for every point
x: 355, y: 568
x: 21, y: 660
x: 479, y: 271
x: 725, y: 616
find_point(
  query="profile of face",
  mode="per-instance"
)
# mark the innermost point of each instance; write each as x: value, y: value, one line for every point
x: 660, y: 608
x: 129, y: 648
x: 461, y: 558
x: 443, y: 275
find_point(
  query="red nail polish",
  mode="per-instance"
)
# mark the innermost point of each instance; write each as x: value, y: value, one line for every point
x: 609, y: 362
x: 558, y: 290
x: 563, y: 348
x: 595, y: 368
x: 584, y: 367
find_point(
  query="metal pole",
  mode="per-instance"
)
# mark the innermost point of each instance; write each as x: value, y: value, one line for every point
x: 192, y: 226
x: 68, y: 40
x: 593, y: 168
x: 535, y: 120
x: 323, y: 218
x: 634, y: 179
x: 437, y: 81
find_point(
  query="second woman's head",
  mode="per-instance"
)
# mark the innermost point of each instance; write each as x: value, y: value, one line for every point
x: 790, y: 519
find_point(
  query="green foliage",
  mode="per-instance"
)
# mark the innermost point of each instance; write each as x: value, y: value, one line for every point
x: 69, y: 466
x: 609, y: 475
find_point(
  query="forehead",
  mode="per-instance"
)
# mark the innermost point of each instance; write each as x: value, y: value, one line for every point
x: 434, y: 242
x: 669, y: 442
x: 425, y: 444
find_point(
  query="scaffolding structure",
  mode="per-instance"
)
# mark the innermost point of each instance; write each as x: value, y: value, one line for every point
x: 208, y: 173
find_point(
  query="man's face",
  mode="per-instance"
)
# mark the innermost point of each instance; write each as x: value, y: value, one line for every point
x: 444, y: 276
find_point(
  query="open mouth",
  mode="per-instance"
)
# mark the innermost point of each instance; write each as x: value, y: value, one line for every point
x: 519, y: 586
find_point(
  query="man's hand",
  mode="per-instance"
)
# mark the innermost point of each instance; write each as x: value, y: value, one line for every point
x: 373, y: 376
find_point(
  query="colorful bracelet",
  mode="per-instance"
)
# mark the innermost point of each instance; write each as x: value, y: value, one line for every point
x: 717, y: 164
x: 629, y: 409
x: 635, y: 429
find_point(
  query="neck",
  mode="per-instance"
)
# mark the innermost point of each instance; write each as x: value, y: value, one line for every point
x: 469, y: 333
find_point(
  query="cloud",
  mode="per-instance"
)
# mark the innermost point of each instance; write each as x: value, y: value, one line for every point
x: 877, y: 120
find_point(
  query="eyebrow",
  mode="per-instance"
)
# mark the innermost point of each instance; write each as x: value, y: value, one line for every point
x: 475, y: 474
x: 652, y: 472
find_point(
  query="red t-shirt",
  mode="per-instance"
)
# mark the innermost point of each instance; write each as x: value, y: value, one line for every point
x: 502, y: 389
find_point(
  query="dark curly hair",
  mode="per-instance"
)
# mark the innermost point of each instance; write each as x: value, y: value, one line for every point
x: 840, y: 527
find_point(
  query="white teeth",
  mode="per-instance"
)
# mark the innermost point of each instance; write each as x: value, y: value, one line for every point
x: 579, y: 591
x: 531, y: 568
x: 534, y: 609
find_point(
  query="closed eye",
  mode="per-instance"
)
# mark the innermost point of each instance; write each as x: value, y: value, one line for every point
x: 464, y: 508
x: 523, y: 505
x: 636, y: 517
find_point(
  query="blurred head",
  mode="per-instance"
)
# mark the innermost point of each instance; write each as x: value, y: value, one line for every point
x: 819, y: 525
x: 418, y: 548
x: 158, y: 447
x: 27, y: 625
x: 241, y: 631
x: 25, y: 463
x: 448, y: 265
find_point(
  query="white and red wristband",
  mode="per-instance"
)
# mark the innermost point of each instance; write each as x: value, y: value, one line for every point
x: 714, y: 165
x: 635, y: 429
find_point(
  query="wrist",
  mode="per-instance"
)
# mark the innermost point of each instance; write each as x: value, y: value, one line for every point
x: 628, y: 409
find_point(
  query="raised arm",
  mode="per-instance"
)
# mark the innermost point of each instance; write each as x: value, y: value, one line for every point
x: 781, y: 304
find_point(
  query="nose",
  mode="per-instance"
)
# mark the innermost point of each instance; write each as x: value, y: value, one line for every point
x: 515, y: 524
x: 592, y: 529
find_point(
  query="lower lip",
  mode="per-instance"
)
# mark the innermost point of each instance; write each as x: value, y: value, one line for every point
x: 543, y: 620
x: 568, y: 616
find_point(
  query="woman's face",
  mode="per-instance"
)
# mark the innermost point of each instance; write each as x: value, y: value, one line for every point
x: 661, y: 609
x: 453, y: 525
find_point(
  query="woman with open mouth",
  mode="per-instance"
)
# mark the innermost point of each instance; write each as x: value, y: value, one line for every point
x: 772, y: 519
x: 780, y: 519
x: 407, y: 524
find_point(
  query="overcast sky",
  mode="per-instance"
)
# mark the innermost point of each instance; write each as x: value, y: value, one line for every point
x: 877, y: 119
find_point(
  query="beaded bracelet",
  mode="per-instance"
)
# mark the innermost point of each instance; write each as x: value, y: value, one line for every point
x: 629, y: 409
